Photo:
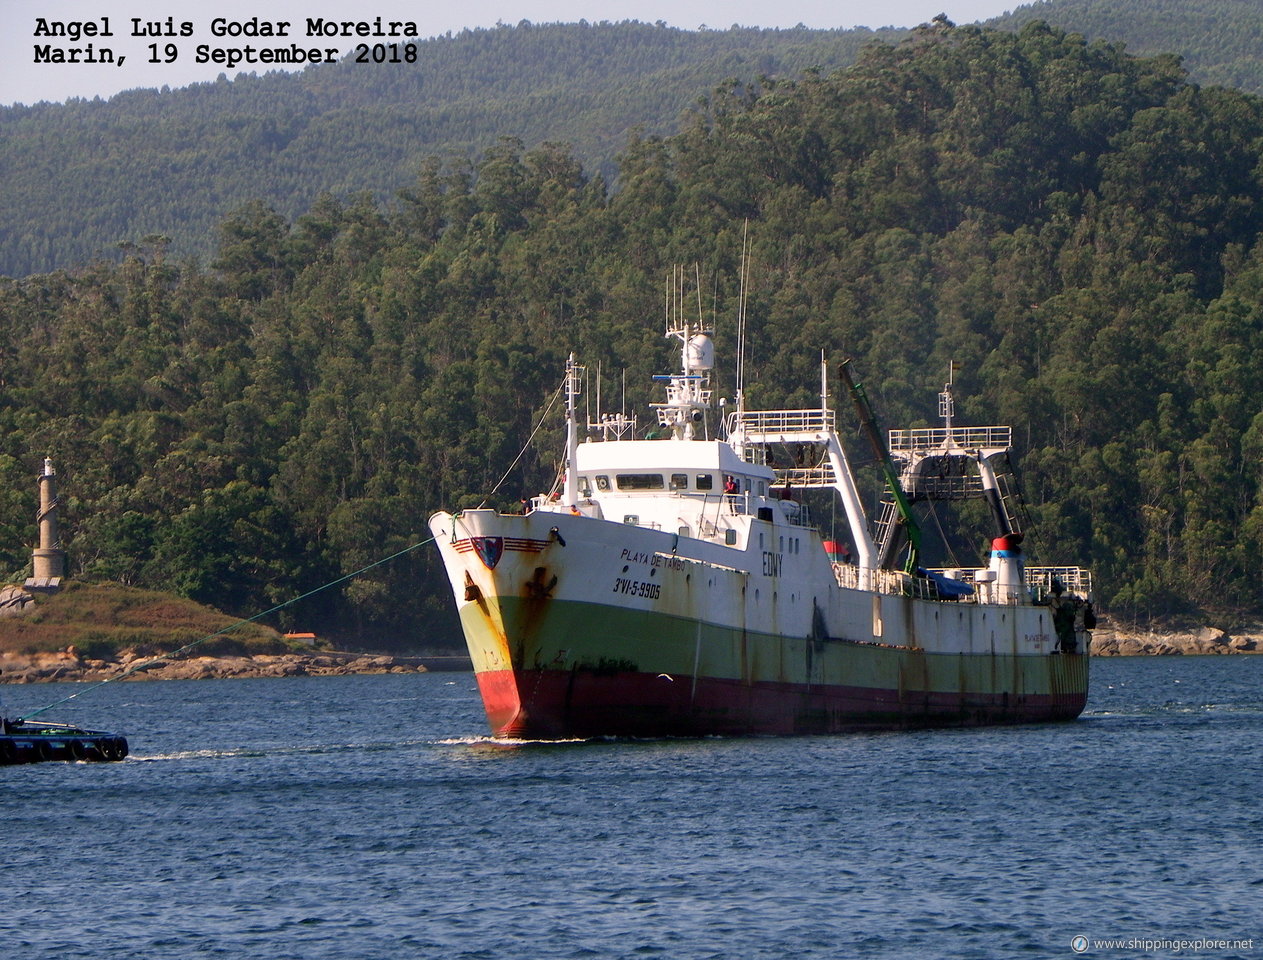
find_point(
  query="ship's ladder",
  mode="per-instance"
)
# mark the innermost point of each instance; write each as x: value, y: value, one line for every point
x: 1012, y: 502
x: 886, y: 533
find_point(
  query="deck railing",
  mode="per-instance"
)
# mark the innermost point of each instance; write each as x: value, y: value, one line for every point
x: 936, y: 438
x: 1076, y: 581
x: 777, y: 422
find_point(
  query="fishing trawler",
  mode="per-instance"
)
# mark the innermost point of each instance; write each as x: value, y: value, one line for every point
x: 678, y: 586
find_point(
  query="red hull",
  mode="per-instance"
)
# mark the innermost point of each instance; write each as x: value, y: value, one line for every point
x: 545, y: 704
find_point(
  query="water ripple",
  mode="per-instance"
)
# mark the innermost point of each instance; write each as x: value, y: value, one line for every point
x: 372, y: 818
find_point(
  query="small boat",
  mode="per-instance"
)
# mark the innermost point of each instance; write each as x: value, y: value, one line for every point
x: 676, y: 584
x: 23, y: 741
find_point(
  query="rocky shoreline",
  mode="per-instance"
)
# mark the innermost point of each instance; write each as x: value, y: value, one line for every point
x: 1111, y: 640
x: 1108, y: 640
x: 68, y: 666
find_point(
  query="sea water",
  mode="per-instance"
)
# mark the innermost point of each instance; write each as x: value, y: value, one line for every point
x: 371, y: 817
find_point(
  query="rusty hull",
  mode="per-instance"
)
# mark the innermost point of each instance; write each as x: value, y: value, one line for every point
x: 580, y: 627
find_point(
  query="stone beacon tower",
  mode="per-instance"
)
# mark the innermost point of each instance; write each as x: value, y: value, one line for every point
x: 49, y: 564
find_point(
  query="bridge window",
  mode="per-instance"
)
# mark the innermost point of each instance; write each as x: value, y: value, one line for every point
x: 705, y: 481
x: 679, y: 481
x: 602, y: 483
x: 640, y: 481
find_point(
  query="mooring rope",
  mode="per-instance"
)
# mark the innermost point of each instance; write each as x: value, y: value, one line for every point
x: 526, y: 446
x: 136, y: 668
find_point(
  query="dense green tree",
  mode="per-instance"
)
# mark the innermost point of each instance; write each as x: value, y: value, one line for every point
x: 83, y: 175
x: 1078, y: 229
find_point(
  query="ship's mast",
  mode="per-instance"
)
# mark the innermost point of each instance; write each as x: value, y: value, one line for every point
x: 986, y: 472
x: 688, y: 392
x: 612, y: 426
x: 742, y: 294
x: 573, y: 386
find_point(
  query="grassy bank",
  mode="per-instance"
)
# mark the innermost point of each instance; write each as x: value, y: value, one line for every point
x: 100, y: 619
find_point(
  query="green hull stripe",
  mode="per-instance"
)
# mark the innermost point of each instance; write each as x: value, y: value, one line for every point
x: 564, y: 635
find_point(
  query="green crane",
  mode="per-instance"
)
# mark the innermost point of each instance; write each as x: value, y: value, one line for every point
x: 907, y: 523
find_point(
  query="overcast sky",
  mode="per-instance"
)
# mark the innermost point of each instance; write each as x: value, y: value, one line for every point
x: 24, y: 81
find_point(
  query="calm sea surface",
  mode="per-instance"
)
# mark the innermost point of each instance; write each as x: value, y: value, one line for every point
x: 367, y: 817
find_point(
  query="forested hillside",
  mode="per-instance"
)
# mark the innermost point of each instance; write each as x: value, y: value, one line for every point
x: 1077, y: 227
x: 1221, y: 41
x: 81, y: 177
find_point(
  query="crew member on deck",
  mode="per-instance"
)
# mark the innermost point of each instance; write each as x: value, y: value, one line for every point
x: 1065, y: 611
